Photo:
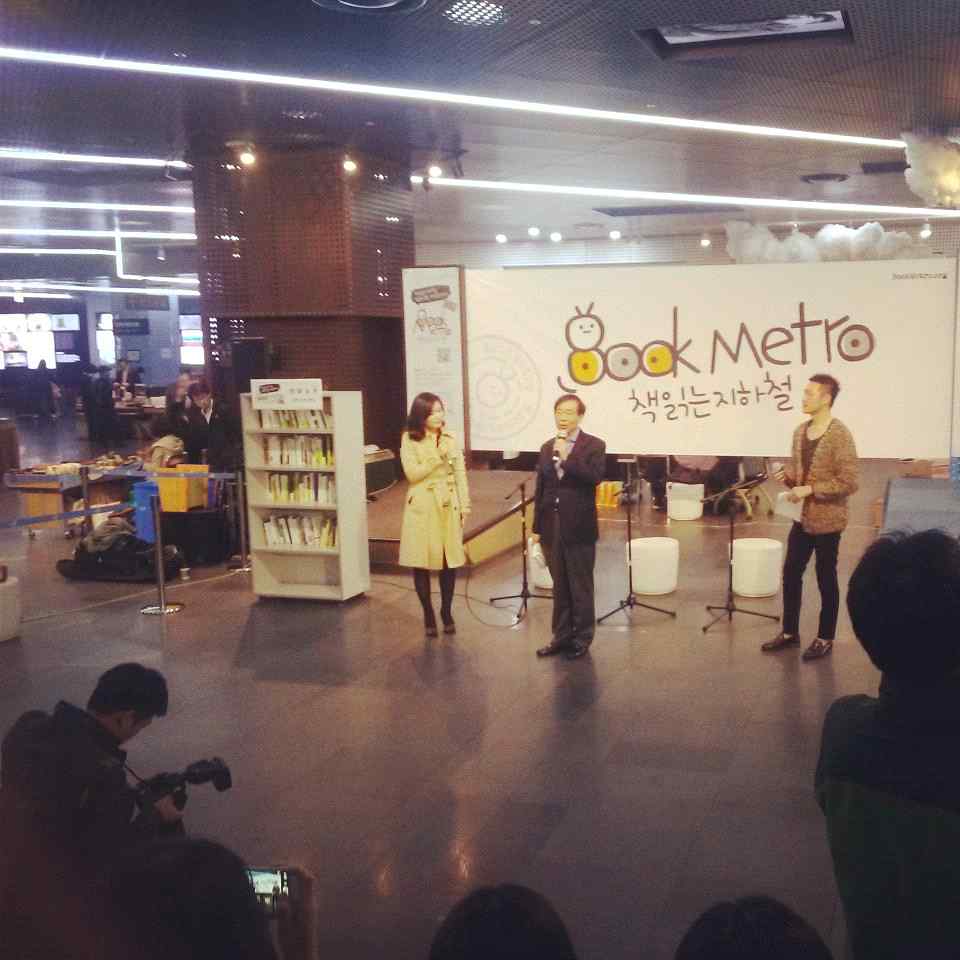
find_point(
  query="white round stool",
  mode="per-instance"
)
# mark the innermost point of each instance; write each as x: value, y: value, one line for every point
x: 684, y: 501
x: 9, y: 609
x: 756, y: 566
x: 656, y: 565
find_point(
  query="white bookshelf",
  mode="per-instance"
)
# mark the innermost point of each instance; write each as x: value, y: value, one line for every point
x: 300, y: 571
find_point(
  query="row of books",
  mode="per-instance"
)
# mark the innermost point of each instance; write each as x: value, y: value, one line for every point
x: 294, y: 420
x: 309, y: 532
x: 299, y: 451
x: 310, y: 488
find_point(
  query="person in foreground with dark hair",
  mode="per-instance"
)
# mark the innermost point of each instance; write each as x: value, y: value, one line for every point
x: 751, y: 928
x: 822, y: 474
x: 438, y: 500
x: 507, y: 923
x: 186, y: 897
x: 888, y: 777
x: 63, y: 777
x: 571, y: 465
x: 212, y: 434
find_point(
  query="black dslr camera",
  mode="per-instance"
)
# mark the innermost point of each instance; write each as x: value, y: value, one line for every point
x: 213, y: 771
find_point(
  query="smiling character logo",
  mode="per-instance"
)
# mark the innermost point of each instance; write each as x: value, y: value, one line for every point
x: 584, y: 336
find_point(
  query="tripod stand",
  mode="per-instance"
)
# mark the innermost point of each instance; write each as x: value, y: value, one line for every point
x: 729, y: 608
x: 631, y: 601
x: 524, y: 595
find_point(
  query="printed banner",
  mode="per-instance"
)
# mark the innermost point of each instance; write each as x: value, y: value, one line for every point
x: 433, y: 339
x: 713, y: 360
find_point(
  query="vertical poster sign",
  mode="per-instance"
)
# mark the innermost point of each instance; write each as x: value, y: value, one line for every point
x: 434, y: 336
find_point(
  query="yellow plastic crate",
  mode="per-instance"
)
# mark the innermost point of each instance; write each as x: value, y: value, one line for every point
x: 178, y: 495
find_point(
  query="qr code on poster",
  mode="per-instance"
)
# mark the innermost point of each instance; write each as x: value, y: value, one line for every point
x: 443, y: 355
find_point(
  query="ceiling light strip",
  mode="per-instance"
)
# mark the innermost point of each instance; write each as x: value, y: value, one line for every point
x: 57, y: 251
x: 37, y: 296
x: 770, y: 203
x: 431, y: 96
x: 89, y: 205
x: 22, y: 153
x: 57, y: 232
x: 27, y: 285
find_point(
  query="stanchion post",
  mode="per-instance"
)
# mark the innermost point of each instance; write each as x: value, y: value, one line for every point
x: 162, y: 608
x: 86, y: 524
x: 244, y: 566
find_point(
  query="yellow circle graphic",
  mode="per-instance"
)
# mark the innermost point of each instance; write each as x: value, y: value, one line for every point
x: 586, y: 366
x: 657, y: 359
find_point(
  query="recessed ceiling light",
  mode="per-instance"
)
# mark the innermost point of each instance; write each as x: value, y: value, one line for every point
x: 533, y: 231
x: 926, y: 232
x: 501, y: 238
x: 556, y: 236
x: 535, y: 22
x: 247, y: 157
x: 774, y: 203
x: 349, y: 165
x: 475, y: 12
x: 615, y: 234
x: 392, y: 219
x: 435, y: 170
x: 705, y: 240
x: 415, y: 178
x: 430, y: 96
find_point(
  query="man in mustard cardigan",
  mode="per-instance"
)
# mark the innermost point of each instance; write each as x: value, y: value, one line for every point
x: 823, y: 473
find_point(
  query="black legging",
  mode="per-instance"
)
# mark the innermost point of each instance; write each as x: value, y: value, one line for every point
x: 448, y: 579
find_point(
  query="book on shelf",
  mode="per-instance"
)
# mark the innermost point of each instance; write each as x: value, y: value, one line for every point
x: 294, y: 420
x: 314, y: 489
x: 299, y: 451
x: 298, y: 530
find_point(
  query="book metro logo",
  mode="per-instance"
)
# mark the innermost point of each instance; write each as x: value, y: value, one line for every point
x: 801, y: 342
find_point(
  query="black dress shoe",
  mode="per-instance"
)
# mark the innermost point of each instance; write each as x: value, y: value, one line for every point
x: 450, y: 627
x: 431, y: 631
x: 780, y: 642
x: 579, y: 650
x: 552, y: 649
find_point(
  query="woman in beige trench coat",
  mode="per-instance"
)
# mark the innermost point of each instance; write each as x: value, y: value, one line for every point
x: 431, y: 537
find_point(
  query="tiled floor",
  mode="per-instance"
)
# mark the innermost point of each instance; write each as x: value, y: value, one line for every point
x: 667, y: 770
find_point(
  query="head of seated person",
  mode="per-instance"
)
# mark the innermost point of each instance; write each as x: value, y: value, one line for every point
x: 751, y: 928
x: 507, y: 922
x: 189, y: 898
x: 904, y: 604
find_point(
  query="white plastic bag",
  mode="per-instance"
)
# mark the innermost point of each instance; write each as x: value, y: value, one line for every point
x: 538, y: 573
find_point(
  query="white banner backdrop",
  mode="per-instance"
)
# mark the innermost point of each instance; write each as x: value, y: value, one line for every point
x: 433, y: 340
x: 713, y: 360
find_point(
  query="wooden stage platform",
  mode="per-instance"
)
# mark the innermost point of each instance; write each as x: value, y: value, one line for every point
x: 492, y: 527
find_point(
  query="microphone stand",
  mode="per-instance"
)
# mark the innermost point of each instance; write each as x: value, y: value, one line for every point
x: 525, y: 594
x: 729, y: 608
x: 631, y: 601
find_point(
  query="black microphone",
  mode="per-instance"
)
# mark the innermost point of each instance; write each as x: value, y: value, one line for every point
x: 561, y: 435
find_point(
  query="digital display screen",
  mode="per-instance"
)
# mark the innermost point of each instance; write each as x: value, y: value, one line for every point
x: 65, y: 321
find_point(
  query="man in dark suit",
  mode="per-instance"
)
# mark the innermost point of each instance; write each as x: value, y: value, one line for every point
x: 210, y: 428
x: 565, y: 521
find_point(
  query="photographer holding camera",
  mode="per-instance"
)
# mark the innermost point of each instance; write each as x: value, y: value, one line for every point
x: 64, y: 775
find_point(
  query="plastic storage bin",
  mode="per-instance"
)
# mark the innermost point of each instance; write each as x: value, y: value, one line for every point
x: 179, y: 494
